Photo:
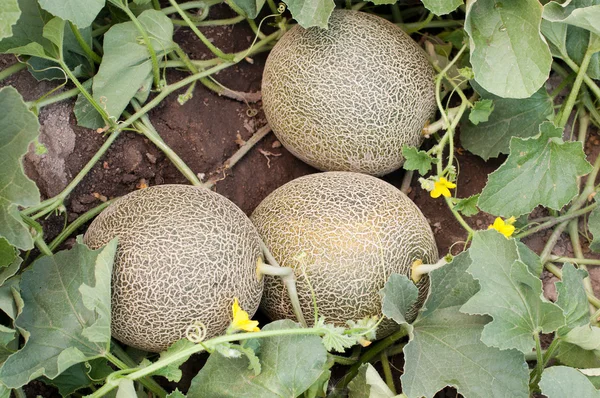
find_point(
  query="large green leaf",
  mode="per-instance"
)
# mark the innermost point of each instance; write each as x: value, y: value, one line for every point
x: 509, y: 293
x: 79, y: 376
x: 561, y: 382
x: 81, y: 12
x: 442, y: 7
x: 582, y: 13
x: 542, y: 170
x: 577, y: 357
x: 398, y: 297
x: 9, y: 15
x: 311, y: 12
x: 250, y: 7
x: 126, y: 63
x: 572, y: 298
x: 66, y: 314
x: 509, y: 55
x: 8, y: 253
x: 510, y: 118
x: 28, y: 28
x: 290, y: 365
x: 18, y: 128
x: 447, y: 350
x: 368, y: 384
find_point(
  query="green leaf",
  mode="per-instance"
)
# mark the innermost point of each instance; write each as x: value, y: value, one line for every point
x: 575, y: 356
x: 79, y: 376
x: 87, y: 116
x: 172, y: 371
x: 311, y: 12
x: 481, y: 111
x: 319, y: 387
x: 467, y: 206
x: 10, y: 301
x: 572, y: 298
x: 511, y: 118
x: 8, y: 254
x: 81, y: 12
x: 250, y: 7
x: 54, y: 31
x: 509, y: 55
x: 509, y: 293
x: 9, y: 15
x: 542, y: 170
x: 126, y: 389
x: 368, y: 384
x: 442, y: 7
x: 61, y: 328
x: 18, y: 128
x: 447, y: 350
x: 574, y: 13
x: 28, y: 28
x: 533, y: 261
x: 556, y: 34
x: 561, y: 382
x: 335, y: 339
x: 577, y: 43
x: 290, y: 365
x: 398, y: 297
x: 176, y: 394
x: 586, y: 337
x: 417, y: 160
x: 594, y: 228
x: 126, y: 62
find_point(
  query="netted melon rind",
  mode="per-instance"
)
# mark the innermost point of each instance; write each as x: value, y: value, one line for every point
x: 355, y: 230
x: 348, y: 97
x: 183, y: 254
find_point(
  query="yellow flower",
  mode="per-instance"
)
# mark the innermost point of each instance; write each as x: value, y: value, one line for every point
x: 241, y: 320
x: 441, y: 188
x: 505, y: 227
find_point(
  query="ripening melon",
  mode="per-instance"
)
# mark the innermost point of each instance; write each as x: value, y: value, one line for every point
x: 355, y: 230
x: 348, y: 97
x: 184, y: 253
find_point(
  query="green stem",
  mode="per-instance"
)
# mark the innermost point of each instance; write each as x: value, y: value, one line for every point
x: 419, y: 25
x: 14, y: 68
x: 554, y: 270
x: 87, y: 95
x: 84, y: 46
x: 272, y: 7
x: 539, y: 367
x: 255, y: 28
x: 574, y: 260
x: 184, y: 82
x: 19, y: 393
x: 147, y: 382
x: 344, y: 361
x: 430, y: 25
x: 589, y: 104
x: 190, y: 5
x: 212, y: 22
x: 78, y: 223
x: 570, y: 215
x: 186, y: 353
x: 387, y: 372
x: 39, y: 104
x: 41, y: 245
x: 144, y: 33
x: 201, y: 36
x: 148, y: 130
x: 371, y: 353
x: 566, y: 112
x: 588, y: 80
x: 549, y: 354
x: 120, y: 353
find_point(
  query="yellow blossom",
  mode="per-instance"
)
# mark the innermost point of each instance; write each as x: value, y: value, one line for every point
x: 441, y: 187
x: 241, y: 320
x: 505, y: 227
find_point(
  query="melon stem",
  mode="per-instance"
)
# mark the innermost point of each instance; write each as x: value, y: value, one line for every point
x: 287, y: 277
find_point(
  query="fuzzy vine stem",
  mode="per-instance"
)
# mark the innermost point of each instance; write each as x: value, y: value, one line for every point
x: 212, y: 22
x: 387, y: 372
x: 78, y: 223
x: 144, y: 33
x: 574, y: 260
x: 87, y: 95
x: 539, y: 367
x: 370, y: 354
x: 203, y: 39
x: 148, y: 130
x: 566, y: 111
x: 55, y: 202
x: 186, y: 353
x: 84, y: 46
x: 553, y: 221
x: 45, y: 101
x: 190, y: 5
x: 147, y: 382
x: 588, y: 80
x: 14, y: 68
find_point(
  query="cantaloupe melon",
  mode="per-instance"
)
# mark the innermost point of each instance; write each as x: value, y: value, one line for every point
x: 348, y: 97
x: 355, y: 230
x: 183, y: 254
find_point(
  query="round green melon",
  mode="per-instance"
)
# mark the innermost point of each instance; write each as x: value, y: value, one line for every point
x: 348, y: 97
x: 355, y: 230
x: 184, y: 253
